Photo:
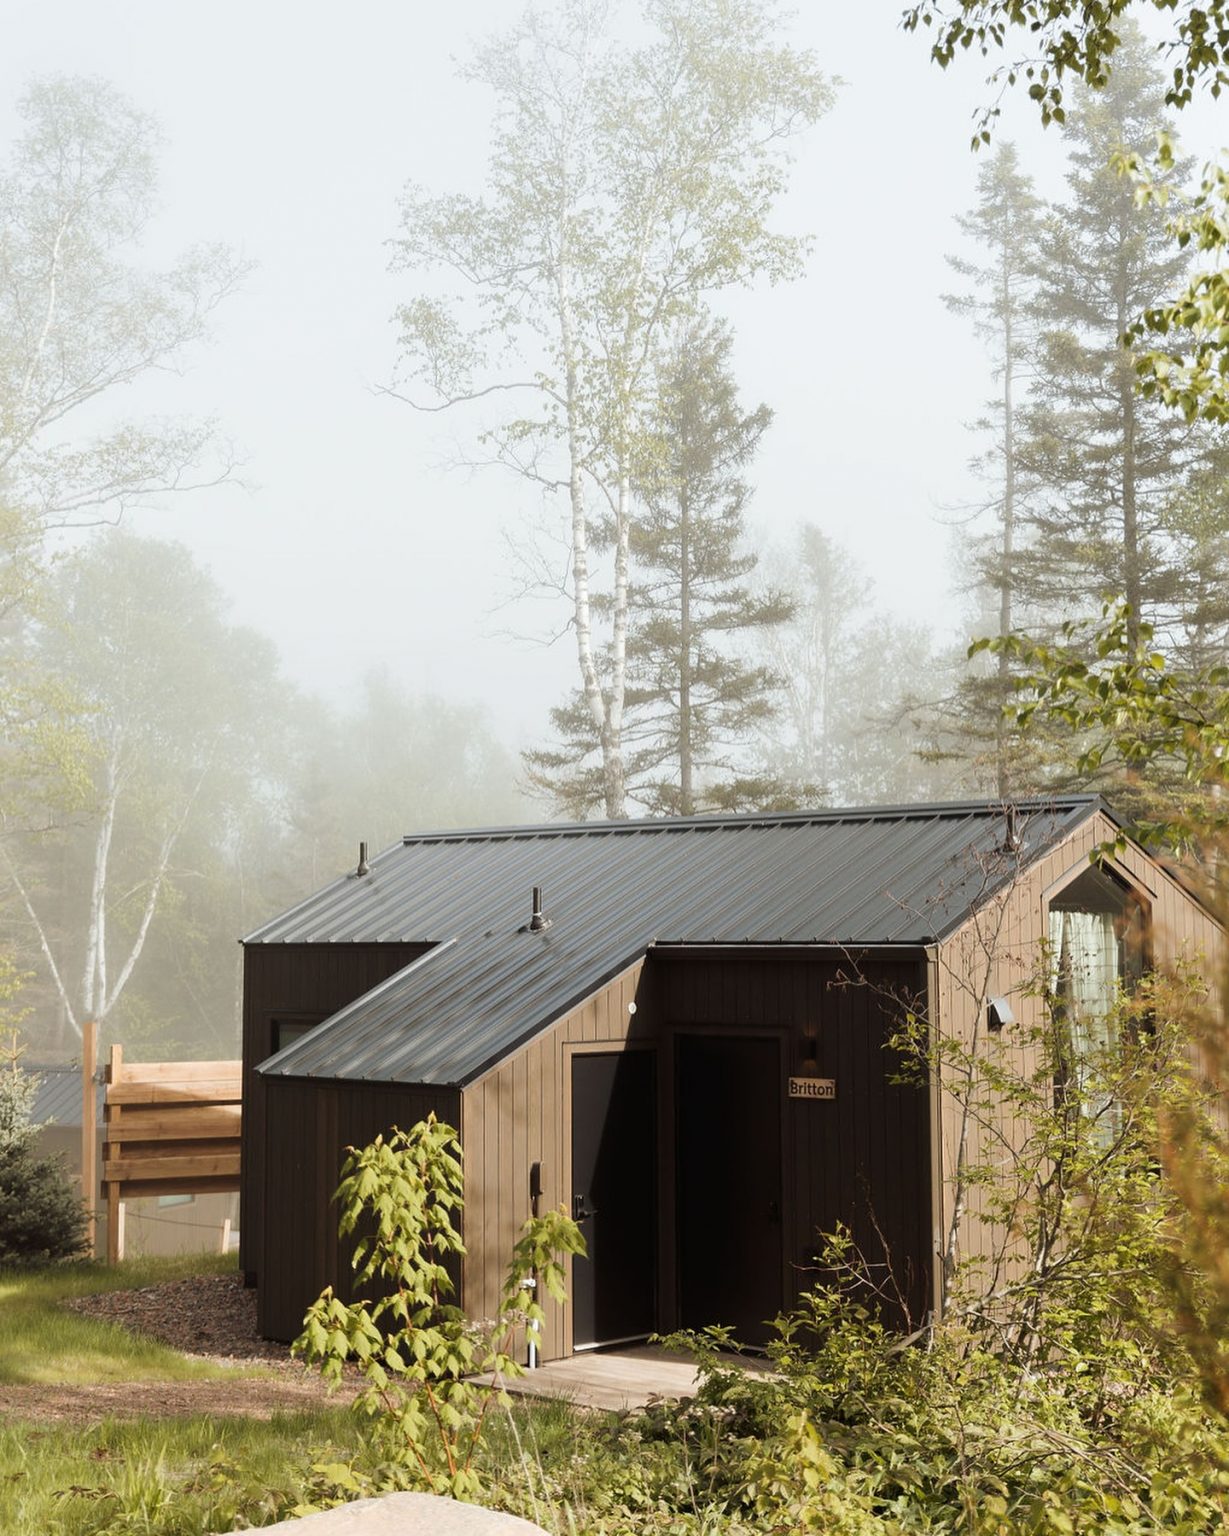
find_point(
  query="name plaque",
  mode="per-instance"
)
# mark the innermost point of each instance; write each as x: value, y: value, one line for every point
x: 812, y: 1088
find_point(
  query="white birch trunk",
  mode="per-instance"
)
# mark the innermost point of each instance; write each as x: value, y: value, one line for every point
x: 94, y: 972
x: 44, y: 943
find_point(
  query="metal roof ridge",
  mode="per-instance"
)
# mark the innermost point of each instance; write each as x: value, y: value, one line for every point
x: 719, y: 821
x: 1059, y: 830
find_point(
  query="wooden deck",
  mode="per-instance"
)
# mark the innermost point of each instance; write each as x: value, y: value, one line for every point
x: 614, y: 1379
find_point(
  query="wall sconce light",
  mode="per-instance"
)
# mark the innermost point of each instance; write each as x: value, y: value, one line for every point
x: 810, y: 1059
x: 998, y: 1014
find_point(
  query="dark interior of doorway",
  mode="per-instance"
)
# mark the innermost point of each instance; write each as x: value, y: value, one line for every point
x: 728, y: 1191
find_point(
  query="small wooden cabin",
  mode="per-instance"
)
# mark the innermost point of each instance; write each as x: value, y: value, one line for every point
x: 685, y: 1042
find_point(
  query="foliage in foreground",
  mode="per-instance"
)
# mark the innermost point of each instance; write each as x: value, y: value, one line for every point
x: 415, y: 1348
x: 172, y: 1477
x: 853, y: 1435
x: 42, y: 1220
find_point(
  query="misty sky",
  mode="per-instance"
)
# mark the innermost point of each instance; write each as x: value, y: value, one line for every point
x: 290, y: 131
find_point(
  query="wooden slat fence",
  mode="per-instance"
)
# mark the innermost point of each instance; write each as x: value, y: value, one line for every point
x: 171, y: 1128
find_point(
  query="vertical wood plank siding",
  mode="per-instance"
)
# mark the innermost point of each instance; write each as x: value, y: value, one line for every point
x: 512, y: 1118
x: 308, y: 1126
x: 862, y: 1160
x: 311, y: 981
x: 998, y: 953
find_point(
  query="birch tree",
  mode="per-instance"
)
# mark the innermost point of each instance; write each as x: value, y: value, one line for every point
x: 175, y: 707
x: 844, y: 730
x: 693, y: 696
x: 625, y: 185
x: 80, y: 319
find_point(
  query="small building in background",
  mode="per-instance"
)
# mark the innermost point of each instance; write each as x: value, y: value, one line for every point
x: 682, y: 1031
x: 161, y: 1224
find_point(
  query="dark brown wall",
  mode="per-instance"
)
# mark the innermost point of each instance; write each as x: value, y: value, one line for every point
x: 308, y: 1126
x: 861, y: 1160
x: 279, y: 981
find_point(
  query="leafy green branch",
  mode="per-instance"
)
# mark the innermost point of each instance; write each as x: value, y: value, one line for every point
x: 1127, y: 708
x: 430, y: 1374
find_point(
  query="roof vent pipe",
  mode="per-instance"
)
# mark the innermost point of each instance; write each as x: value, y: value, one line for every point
x: 536, y: 920
x: 1012, y: 839
x: 363, y: 867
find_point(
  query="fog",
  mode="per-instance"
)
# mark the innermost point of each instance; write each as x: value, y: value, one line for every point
x: 289, y: 135
x: 333, y: 640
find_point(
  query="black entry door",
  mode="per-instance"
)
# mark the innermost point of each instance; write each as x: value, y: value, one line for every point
x: 728, y: 1162
x: 614, y: 1196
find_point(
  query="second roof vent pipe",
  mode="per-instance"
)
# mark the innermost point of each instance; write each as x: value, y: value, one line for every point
x: 363, y: 867
x: 537, y: 922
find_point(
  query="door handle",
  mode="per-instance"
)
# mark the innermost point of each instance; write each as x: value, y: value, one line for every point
x: 581, y: 1210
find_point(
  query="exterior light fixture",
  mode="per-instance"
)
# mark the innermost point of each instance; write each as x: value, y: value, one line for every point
x: 998, y: 1014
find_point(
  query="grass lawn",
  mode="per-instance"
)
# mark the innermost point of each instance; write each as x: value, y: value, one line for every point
x: 192, y: 1475
x: 180, y: 1476
x: 42, y: 1341
x: 176, y: 1475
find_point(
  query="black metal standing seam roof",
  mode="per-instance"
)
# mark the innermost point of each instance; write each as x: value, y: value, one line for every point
x: 885, y: 876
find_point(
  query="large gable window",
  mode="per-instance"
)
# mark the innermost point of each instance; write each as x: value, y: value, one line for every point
x: 1096, y: 928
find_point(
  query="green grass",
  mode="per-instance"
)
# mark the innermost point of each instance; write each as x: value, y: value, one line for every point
x: 187, y: 1477
x: 178, y: 1477
x: 43, y: 1341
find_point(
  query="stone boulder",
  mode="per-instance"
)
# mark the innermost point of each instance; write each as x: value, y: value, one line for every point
x: 408, y: 1514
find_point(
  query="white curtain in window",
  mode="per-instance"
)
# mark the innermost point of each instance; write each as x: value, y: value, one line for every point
x: 1084, y: 955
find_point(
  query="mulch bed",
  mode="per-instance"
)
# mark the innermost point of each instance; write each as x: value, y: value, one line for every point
x: 211, y: 1315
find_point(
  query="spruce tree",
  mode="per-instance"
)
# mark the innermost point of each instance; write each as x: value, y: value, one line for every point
x: 41, y: 1217
x: 998, y: 298
x: 693, y: 696
x: 1108, y: 464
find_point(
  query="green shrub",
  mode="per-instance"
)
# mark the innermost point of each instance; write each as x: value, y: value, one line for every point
x: 414, y: 1347
x: 41, y: 1217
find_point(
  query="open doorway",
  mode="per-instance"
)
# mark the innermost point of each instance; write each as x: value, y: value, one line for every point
x: 728, y: 1173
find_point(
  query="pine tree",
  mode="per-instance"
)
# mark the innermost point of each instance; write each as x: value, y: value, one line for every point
x: 693, y: 698
x: 41, y: 1217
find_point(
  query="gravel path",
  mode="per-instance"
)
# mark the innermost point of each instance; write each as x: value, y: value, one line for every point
x: 209, y: 1316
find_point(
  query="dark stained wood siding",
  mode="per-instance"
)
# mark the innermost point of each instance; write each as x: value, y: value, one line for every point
x: 861, y: 1160
x: 308, y: 1125
x: 309, y: 981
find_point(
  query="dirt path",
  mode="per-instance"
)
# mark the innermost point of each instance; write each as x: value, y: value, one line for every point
x: 247, y: 1398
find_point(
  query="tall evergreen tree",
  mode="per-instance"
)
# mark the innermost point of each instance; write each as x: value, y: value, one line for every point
x: 693, y: 697
x: 998, y: 299
x: 1108, y: 463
